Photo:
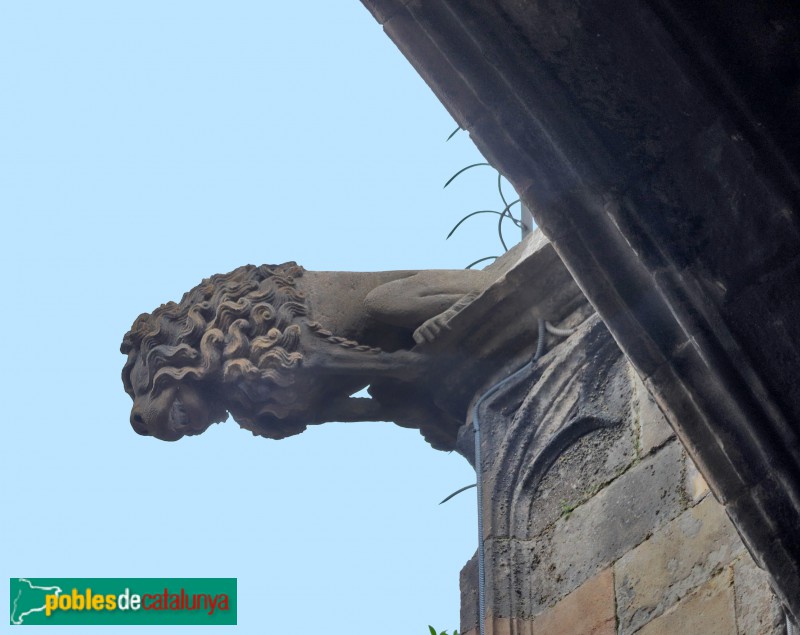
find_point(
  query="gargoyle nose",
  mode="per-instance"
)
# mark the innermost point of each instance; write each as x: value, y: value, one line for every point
x: 137, y: 422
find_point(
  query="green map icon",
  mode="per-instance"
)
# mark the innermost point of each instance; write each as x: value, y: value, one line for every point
x: 28, y: 600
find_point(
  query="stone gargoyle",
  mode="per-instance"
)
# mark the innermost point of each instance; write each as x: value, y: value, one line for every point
x: 279, y: 348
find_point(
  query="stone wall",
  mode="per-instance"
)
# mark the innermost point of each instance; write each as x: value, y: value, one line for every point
x: 657, y: 145
x: 596, y: 520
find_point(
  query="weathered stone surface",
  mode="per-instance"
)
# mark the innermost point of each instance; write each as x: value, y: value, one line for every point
x: 708, y: 610
x: 613, y: 522
x: 551, y: 438
x: 524, y: 577
x: 679, y: 557
x: 758, y: 611
x: 577, y: 388
x: 588, y: 610
x: 579, y: 473
x: 654, y: 431
x: 497, y: 333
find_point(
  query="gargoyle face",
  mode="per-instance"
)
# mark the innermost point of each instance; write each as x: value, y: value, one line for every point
x: 169, y: 412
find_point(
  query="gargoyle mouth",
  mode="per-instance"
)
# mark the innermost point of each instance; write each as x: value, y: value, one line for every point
x: 178, y: 417
x: 181, y: 422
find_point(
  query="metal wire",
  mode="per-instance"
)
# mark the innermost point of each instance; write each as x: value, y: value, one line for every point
x: 479, y: 471
x: 557, y: 331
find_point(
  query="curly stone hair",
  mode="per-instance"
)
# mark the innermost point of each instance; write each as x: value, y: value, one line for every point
x: 238, y: 327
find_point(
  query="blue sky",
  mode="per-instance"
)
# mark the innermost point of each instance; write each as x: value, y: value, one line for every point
x: 143, y: 147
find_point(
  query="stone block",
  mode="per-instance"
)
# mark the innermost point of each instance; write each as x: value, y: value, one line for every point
x: 579, y: 472
x: 600, y: 531
x: 588, y: 610
x: 681, y: 556
x: 708, y: 610
x: 654, y: 431
x: 722, y: 471
x: 758, y: 611
x: 468, y: 580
